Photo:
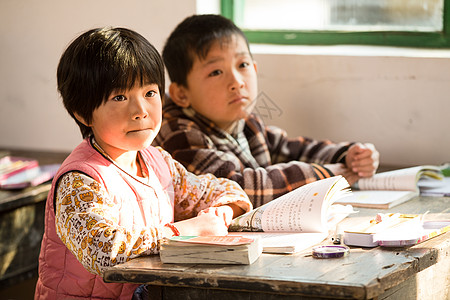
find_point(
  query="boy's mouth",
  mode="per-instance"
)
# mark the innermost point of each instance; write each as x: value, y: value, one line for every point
x: 238, y: 99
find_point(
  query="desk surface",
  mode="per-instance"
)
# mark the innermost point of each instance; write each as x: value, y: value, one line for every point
x: 365, y: 273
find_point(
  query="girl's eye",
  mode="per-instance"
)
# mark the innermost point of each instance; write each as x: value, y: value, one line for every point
x: 215, y: 73
x: 119, y: 98
x: 150, y: 94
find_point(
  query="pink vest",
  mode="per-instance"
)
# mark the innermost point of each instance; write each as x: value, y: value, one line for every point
x: 61, y: 275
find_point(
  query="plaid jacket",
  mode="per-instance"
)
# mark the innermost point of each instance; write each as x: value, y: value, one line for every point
x: 263, y: 160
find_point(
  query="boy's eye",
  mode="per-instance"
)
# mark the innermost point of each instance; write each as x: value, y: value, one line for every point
x: 244, y: 65
x: 119, y: 98
x: 150, y: 94
x: 215, y: 73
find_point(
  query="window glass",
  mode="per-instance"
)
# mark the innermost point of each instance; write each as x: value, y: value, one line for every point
x: 342, y: 15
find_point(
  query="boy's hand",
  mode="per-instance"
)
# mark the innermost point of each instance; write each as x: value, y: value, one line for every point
x: 362, y: 159
x: 341, y: 169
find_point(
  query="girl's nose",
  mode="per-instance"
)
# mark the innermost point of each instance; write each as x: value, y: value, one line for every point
x: 139, y: 109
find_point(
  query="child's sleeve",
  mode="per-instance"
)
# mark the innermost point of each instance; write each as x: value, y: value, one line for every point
x: 194, y: 193
x: 87, y: 223
x: 274, y: 166
x: 283, y: 149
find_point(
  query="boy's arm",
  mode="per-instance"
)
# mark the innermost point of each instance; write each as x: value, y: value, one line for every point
x: 284, y: 149
x: 262, y: 179
x: 262, y: 182
x: 361, y: 159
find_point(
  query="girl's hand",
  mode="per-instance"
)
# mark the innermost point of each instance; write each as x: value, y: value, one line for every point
x: 225, y: 212
x: 362, y: 159
x: 212, y: 222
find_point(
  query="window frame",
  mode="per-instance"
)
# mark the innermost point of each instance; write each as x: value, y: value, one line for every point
x: 232, y: 9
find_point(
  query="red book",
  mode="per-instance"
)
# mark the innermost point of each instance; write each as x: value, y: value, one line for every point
x: 11, y: 165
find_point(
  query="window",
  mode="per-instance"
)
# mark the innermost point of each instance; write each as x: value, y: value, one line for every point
x: 413, y: 23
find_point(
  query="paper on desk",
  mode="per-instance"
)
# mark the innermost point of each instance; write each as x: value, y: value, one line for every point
x: 438, y: 188
x: 285, y: 242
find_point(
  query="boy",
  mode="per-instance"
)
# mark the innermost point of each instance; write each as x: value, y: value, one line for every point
x: 208, y: 125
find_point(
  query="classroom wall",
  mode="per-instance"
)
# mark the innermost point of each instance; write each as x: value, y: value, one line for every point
x: 33, y: 35
x: 396, y: 99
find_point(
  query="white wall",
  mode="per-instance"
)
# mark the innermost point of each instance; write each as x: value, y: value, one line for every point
x: 390, y: 97
x: 33, y: 35
x: 398, y: 102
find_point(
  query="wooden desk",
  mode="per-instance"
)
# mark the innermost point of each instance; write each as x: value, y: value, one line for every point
x: 22, y: 223
x: 418, y: 272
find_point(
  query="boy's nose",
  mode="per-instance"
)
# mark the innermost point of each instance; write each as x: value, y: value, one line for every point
x: 237, y: 81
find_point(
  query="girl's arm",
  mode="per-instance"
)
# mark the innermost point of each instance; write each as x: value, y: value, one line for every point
x: 87, y: 223
x: 195, y: 193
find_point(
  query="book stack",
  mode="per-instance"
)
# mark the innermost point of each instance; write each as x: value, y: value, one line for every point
x: 388, y: 189
x: 368, y: 233
x: 9, y: 166
x: 21, y: 172
x: 233, y: 250
x: 394, y: 230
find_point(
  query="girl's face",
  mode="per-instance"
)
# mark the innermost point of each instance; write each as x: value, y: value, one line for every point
x: 129, y: 120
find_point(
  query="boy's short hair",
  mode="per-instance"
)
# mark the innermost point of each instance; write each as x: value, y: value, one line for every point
x: 100, y: 61
x: 192, y: 38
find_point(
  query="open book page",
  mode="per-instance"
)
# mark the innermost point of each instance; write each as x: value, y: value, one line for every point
x: 293, y: 242
x: 400, y: 180
x: 304, y: 209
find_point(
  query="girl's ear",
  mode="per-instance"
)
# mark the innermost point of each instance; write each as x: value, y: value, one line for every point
x: 178, y: 95
x: 80, y: 119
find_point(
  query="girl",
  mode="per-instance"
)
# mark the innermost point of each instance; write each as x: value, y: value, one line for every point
x: 115, y: 196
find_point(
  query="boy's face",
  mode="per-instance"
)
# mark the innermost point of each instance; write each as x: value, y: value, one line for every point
x: 223, y: 86
x: 129, y: 120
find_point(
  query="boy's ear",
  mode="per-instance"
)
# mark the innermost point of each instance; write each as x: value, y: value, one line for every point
x: 80, y: 119
x: 255, y: 66
x: 178, y: 95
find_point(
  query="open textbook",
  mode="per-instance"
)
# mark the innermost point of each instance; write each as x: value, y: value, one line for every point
x: 387, y: 189
x: 298, y: 219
